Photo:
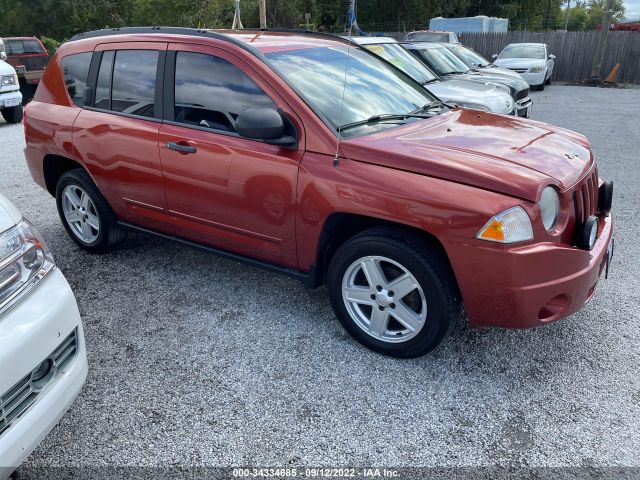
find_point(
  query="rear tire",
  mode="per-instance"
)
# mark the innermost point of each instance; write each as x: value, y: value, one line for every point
x: 13, y: 114
x: 393, y: 291
x: 85, y: 214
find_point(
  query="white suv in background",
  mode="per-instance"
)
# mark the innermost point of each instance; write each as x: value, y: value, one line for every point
x: 43, y: 362
x: 10, y: 96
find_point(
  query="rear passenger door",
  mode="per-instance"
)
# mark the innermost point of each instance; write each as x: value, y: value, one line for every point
x: 224, y: 190
x: 116, y: 133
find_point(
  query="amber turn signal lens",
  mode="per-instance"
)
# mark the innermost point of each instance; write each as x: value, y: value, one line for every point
x: 512, y: 225
x: 493, y: 232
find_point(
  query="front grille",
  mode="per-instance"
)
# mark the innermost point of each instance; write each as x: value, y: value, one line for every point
x: 585, y: 197
x: 15, y: 402
x: 522, y: 94
x: 519, y: 70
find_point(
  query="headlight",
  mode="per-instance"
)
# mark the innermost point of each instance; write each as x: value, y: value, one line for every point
x: 9, y: 80
x: 549, y: 207
x: 473, y: 106
x: 537, y: 69
x: 24, y: 262
x: 512, y: 225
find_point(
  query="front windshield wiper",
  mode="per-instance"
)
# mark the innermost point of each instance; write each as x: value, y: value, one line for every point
x: 431, y: 81
x: 432, y: 106
x: 382, y: 118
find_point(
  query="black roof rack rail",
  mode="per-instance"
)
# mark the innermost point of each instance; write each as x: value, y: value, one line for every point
x: 168, y: 30
x: 299, y: 31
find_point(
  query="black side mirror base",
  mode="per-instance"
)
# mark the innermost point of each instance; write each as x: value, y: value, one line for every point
x: 286, y: 141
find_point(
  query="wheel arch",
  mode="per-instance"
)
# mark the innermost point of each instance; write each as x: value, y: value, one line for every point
x: 339, y: 227
x: 54, y: 166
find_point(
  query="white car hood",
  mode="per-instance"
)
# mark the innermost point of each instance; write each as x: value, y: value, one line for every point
x: 472, y: 92
x: 519, y: 62
x: 5, y: 68
x: 9, y: 214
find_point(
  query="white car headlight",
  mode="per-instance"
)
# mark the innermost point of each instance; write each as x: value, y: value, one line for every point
x: 537, y: 69
x: 473, y: 106
x: 512, y: 225
x: 24, y: 261
x: 9, y: 80
x: 549, y: 207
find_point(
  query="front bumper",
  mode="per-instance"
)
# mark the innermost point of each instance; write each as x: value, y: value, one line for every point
x: 10, y: 99
x: 523, y: 107
x: 29, y: 333
x: 534, y: 79
x: 527, y: 286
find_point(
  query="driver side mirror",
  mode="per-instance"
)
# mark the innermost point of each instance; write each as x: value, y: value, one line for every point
x: 552, y: 56
x: 494, y: 56
x: 3, y: 56
x: 266, y: 124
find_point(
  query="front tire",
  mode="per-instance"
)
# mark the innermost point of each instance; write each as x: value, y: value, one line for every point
x: 13, y: 114
x: 393, y: 291
x: 85, y: 214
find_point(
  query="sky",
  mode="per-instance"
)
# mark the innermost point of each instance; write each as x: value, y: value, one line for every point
x: 632, y: 8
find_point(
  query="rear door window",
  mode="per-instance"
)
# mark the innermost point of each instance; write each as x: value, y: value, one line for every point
x: 133, y: 84
x: 75, y: 69
x: 210, y: 92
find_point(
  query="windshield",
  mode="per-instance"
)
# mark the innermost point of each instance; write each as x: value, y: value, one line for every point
x: 373, y: 86
x: 442, y: 60
x: 398, y: 56
x: 523, y: 51
x: 428, y: 37
x: 471, y: 57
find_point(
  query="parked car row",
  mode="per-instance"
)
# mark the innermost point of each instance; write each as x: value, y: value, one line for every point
x: 531, y: 61
x: 304, y: 155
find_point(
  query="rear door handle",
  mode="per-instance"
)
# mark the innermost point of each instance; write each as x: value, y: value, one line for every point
x: 179, y: 147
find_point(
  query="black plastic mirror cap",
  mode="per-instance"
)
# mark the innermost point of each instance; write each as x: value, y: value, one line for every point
x: 605, y: 197
x: 588, y: 234
x: 260, y: 124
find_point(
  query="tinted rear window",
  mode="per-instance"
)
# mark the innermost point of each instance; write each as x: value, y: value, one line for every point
x: 75, y: 69
x: 20, y: 47
x: 429, y: 37
x: 134, y: 82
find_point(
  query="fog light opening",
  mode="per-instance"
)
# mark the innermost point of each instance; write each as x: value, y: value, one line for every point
x: 553, y: 308
x: 42, y: 374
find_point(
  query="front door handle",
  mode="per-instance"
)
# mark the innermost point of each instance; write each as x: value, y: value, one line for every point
x: 180, y: 147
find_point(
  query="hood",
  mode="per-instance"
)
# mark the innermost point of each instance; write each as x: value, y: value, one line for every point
x: 465, y: 91
x: 514, y: 85
x: 5, y: 68
x: 505, y: 154
x: 512, y: 79
x: 9, y: 214
x: 519, y: 62
x: 496, y: 70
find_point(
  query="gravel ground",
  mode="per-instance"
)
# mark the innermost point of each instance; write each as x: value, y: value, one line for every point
x: 200, y: 361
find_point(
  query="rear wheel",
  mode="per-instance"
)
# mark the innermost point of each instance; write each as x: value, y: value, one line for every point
x: 393, y: 292
x: 13, y: 114
x: 85, y: 214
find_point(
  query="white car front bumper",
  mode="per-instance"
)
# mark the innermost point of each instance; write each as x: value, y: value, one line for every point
x: 534, y: 79
x: 10, y: 99
x: 44, y: 324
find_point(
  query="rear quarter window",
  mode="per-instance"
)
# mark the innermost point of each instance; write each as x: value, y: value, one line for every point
x: 75, y: 69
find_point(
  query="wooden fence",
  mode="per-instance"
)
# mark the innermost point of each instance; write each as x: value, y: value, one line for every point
x: 574, y: 51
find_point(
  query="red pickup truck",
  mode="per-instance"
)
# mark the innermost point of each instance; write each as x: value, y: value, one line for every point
x: 29, y: 57
x: 247, y: 144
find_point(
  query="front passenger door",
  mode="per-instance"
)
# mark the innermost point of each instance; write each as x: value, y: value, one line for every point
x: 224, y: 190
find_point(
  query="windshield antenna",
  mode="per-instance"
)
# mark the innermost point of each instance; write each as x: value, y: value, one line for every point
x: 351, y: 19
